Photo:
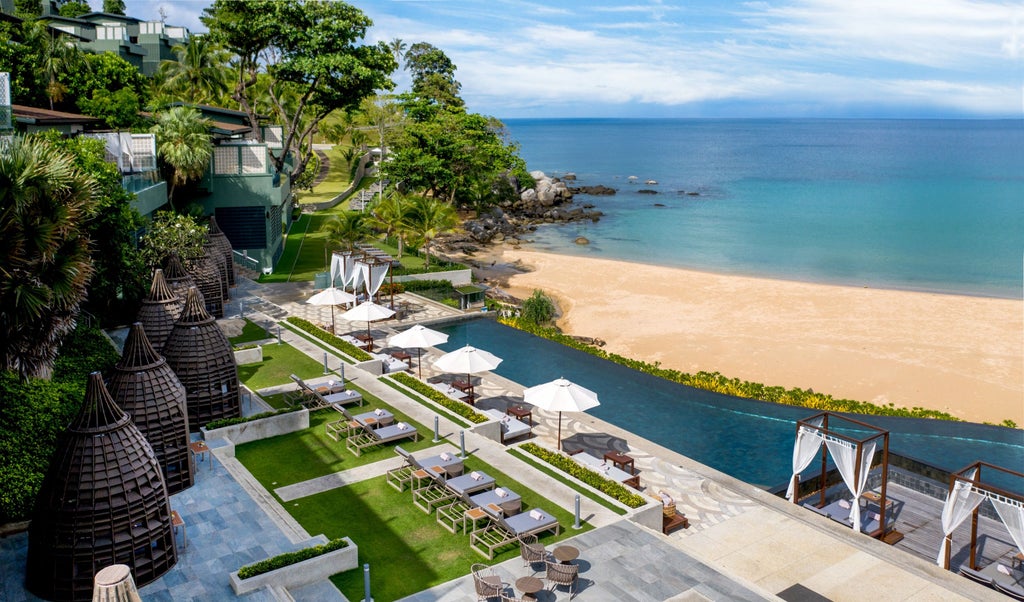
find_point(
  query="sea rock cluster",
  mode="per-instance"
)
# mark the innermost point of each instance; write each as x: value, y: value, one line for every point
x: 550, y: 200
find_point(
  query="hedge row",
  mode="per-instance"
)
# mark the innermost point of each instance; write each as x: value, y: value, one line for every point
x: 348, y: 348
x: 440, y: 398
x: 223, y: 422
x: 713, y: 381
x: 288, y: 558
x: 575, y: 469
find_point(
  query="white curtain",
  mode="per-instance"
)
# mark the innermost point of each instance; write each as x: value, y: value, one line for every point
x: 808, y: 442
x: 1012, y: 514
x: 348, y: 266
x: 335, y: 269
x: 960, y: 503
x: 845, y: 455
x: 356, y: 275
x: 373, y: 276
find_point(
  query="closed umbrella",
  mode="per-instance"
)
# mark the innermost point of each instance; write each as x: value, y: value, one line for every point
x: 369, y: 311
x: 561, y: 395
x: 468, y: 360
x: 418, y: 336
x: 331, y: 296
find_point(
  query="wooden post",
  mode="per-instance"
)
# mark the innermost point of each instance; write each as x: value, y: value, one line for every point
x: 974, y: 537
x: 885, y: 479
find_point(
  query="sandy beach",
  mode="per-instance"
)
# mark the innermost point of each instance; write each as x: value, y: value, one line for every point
x: 962, y: 355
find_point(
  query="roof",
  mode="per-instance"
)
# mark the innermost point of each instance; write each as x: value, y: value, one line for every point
x: 33, y: 115
x: 228, y: 129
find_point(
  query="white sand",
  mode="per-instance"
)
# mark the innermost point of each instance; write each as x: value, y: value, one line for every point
x: 962, y: 355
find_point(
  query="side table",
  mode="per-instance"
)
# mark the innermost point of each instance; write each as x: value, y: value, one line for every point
x: 621, y: 461
x: 529, y: 586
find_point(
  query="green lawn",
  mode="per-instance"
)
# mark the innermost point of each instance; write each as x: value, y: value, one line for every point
x: 278, y: 401
x: 406, y: 549
x: 303, y: 254
x: 310, y: 453
x: 250, y: 332
x: 338, y: 178
x: 279, y: 361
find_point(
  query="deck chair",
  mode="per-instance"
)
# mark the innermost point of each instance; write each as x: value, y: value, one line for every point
x: 501, y: 532
x: 349, y: 425
x: 369, y: 438
x: 401, y: 476
x: 486, y: 582
x: 563, y: 574
x: 429, y: 498
x: 453, y: 515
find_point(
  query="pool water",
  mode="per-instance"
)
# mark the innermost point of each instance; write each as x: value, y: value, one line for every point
x: 747, y: 439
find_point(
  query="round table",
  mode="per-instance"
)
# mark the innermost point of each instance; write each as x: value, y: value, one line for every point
x: 565, y: 554
x: 529, y: 586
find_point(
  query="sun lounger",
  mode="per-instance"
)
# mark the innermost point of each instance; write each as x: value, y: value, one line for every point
x: 607, y: 470
x: 369, y: 438
x: 506, y: 531
x: 351, y: 340
x: 450, y: 391
x: 511, y: 427
x: 430, y: 497
x: 470, y: 483
x: 1009, y: 587
x: 976, y: 576
x: 325, y: 392
x: 453, y: 515
x: 350, y: 424
x: 413, y: 470
x: 496, y: 504
x: 391, y: 364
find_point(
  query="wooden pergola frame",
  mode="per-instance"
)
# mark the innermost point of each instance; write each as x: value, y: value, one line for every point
x: 859, y: 443
x: 978, y: 484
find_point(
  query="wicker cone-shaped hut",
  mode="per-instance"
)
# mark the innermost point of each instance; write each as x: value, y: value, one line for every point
x: 215, y: 235
x: 102, y: 502
x: 160, y: 310
x: 207, y: 279
x: 201, y: 356
x: 146, y: 388
x: 217, y: 259
x: 178, y: 279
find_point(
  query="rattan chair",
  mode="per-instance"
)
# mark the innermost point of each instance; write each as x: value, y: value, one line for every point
x: 531, y: 550
x: 486, y: 582
x: 563, y: 574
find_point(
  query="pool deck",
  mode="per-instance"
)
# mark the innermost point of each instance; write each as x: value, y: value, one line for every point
x: 742, y: 543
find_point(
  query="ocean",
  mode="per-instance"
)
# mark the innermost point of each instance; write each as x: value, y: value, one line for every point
x: 933, y: 205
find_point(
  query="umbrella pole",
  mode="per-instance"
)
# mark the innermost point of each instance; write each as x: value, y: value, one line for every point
x: 333, y: 329
x: 559, y: 431
x: 419, y: 365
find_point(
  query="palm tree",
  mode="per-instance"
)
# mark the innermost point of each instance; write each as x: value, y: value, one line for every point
x: 45, y: 262
x: 345, y: 230
x: 398, y: 48
x: 57, y: 56
x: 391, y: 214
x: 428, y: 219
x: 183, y: 142
x: 200, y: 72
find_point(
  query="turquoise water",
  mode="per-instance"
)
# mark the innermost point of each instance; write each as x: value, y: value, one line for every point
x: 750, y: 440
x: 933, y: 205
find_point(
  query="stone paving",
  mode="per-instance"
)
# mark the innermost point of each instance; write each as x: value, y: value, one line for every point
x: 742, y: 543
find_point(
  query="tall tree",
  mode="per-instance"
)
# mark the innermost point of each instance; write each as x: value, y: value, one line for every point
x: 434, y: 86
x: 114, y: 7
x: 199, y: 74
x: 183, y: 143
x: 391, y: 215
x: 428, y: 219
x: 398, y: 48
x: 45, y: 262
x: 312, y: 46
x: 345, y: 230
x: 59, y: 56
x: 74, y: 9
x: 172, y: 233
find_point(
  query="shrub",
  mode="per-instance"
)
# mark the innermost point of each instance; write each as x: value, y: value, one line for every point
x: 440, y: 398
x: 223, y: 422
x: 392, y: 287
x: 538, y: 309
x: 575, y: 469
x: 713, y: 381
x: 289, y: 558
x: 348, y: 348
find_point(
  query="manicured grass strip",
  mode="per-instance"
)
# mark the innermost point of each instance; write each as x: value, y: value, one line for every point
x: 590, y: 477
x: 389, y: 381
x: 277, y: 401
x: 713, y: 381
x: 279, y: 361
x: 310, y: 453
x: 406, y: 548
x: 250, y: 332
x: 312, y: 329
x: 452, y: 405
x: 292, y: 244
x: 560, y: 477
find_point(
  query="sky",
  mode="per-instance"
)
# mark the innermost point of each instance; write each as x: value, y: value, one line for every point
x: 708, y: 58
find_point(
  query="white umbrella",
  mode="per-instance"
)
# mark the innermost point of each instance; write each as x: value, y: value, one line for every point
x: 469, y: 360
x: 561, y: 395
x: 331, y: 296
x: 419, y: 336
x: 369, y: 311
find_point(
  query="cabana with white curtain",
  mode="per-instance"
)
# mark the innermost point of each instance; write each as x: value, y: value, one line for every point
x: 852, y: 457
x: 967, y: 490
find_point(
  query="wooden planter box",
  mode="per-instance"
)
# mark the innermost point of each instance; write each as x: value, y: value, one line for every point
x: 301, y: 573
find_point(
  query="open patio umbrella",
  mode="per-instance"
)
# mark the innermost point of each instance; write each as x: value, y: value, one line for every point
x: 331, y: 296
x: 369, y: 311
x: 419, y: 336
x: 561, y: 395
x: 468, y: 360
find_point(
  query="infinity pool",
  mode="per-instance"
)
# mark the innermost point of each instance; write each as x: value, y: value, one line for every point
x: 750, y: 440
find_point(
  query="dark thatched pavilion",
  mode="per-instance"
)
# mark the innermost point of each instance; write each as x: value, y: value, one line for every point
x: 178, y: 279
x: 201, y: 357
x: 217, y: 259
x: 207, y: 278
x: 145, y: 387
x: 160, y: 310
x: 215, y: 235
x: 102, y: 502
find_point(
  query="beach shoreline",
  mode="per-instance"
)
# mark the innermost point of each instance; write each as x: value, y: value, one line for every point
x: 954, y: 353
